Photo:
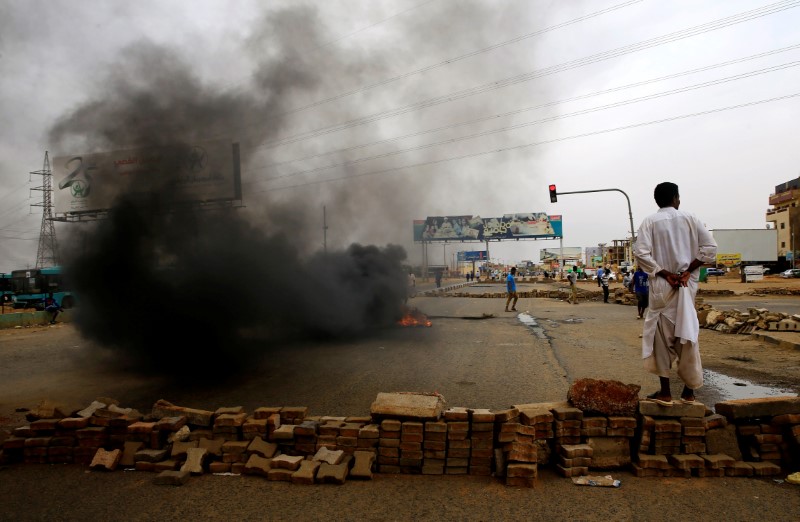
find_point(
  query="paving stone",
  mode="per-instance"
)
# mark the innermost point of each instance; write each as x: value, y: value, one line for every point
x: 265, y: 412
x: 765, y: 469
x: 235, y: 447
x: 166, y: 465
x: 172, y: 478
x: 567, y: 413
x: 761, y: 407
x: 334, y: 473
x: 334, y: 457
x: 284, y: 432
x: 219, y: 467
x: 610, y: 452
x: 370, y: 431
x: 280, y: 474
x: 179, y: 449
x: 171, y: 423
x: 231, y: 410
x: 739, y: 469
x: 182, y: 435
x: 257, y: 465
x: 482, y: 415
x: 306, y: 473
x: 287, y: 462
x: 724, y: 440
x: 262, y: 448
x: 652, y: 461
x: 456, y: 413
x: 195, y: 457
x: 687, y: 461
x: 129, y: 453
x: 212, y: 446
x: 678, y: 409
x: 571, y: 451
x: 73, y: 423
x: 150, y: 455
x: 196, y: 417
x: 89, y: 410
x: 718, y: 460
x: 408, y: 405
x: 106, y: 459
x: 362, y: 468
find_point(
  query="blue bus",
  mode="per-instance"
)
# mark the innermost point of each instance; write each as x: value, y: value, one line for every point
x: 32, y: 286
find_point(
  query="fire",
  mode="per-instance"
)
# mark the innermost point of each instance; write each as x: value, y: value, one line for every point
x: 414, y: 317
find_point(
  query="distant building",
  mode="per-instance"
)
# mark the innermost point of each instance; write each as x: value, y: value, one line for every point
x: 785, y: 216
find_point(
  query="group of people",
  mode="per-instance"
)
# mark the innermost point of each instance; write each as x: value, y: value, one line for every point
x: 470, y: 276
x: 671, y: 245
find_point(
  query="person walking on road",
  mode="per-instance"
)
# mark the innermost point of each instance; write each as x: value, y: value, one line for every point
x: 670, y: 246
x: 511, y: 286
x: 604, y: 283
x: 572, y: 277
x: 640, y: 289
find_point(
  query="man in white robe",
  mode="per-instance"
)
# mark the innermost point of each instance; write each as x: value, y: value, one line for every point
x: 670, y: 246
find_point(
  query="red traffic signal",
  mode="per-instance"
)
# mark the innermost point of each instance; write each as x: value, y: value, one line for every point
x: 553, y: 194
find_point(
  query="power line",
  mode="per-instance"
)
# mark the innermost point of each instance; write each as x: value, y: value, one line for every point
x: 453, y: 60
x: 512, y: 113
x: 598, y: 57
x: 534, y: 144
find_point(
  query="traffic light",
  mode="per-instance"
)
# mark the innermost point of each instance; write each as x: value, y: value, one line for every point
x: 553, y: 194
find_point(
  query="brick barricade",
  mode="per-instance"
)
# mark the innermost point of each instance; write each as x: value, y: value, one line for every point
x: 512, y: 444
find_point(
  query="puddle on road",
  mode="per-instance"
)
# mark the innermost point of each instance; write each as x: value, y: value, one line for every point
x: 529, y: 321
x: 729, y: 388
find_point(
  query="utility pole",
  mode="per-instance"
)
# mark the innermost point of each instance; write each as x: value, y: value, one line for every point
x: 324, y: 230
x: 47, y: 253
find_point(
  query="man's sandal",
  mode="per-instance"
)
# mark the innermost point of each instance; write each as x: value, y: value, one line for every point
x: 686, y: 400
x: 658, y: 399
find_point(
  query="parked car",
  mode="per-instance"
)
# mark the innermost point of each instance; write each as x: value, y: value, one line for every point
x: 715, y: 272
x: 792, y: 272
x: 611, y: 277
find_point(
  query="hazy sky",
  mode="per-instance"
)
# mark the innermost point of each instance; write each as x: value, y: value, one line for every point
x: 401, y: 109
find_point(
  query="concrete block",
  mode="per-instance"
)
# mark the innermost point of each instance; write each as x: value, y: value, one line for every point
x: 678, y: 409
x: 362, y: 468
x: 262, y: 448
x: 289, y: 462
x: 408, y: 405
x: 195, y: 458
x: 150, y: 455
x: 280, y: 474
x: 724, y: 441
x: 335, y: 457
x: 306, y: 473
x: 212, y: 446
x: 334, y: 473
x: 106, y: 459
x: 197, y: 417
x: 129, y: 453
x: 257, y: 465
x: 762, y: 407
x: 179, y: 449
x: 610, y: 452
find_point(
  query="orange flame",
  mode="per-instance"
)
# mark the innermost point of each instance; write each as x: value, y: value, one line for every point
x: 414, y: 317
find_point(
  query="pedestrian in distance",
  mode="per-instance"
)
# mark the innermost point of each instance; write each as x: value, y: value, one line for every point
x: 438, y: 278
x: 604, y: 283
x: 572, y: 277
x: 511, y: 286
x: 639, y: 285
x: 670, y: 247
x: 52, y: 306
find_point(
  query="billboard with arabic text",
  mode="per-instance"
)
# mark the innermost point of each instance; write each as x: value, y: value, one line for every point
x: 532, y: 225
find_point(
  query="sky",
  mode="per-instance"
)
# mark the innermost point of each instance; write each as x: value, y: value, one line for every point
x: 386, y: 111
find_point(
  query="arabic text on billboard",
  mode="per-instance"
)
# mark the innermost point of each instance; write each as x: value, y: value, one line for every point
x: 729, y: 260
x: 476, y: 228
x: 206, y: 171
x: 472, y: 255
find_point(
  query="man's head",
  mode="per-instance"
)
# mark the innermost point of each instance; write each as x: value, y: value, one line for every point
x: 513, y: 270
x: 666, y: 195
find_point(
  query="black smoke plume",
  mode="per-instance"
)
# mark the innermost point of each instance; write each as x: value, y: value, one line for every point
x: 181, y: 291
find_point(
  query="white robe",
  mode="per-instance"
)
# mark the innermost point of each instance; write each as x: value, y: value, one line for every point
x: 670, y: 240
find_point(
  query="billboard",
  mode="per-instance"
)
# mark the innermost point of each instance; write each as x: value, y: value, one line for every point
x: 205, y: 171
x: 472, y: 255
x: 532, y: 225
x: 570, y: 253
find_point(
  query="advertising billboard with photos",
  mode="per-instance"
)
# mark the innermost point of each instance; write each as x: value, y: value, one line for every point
x: 534, y: 225
x: 206, y: 171
x: 570, y: 253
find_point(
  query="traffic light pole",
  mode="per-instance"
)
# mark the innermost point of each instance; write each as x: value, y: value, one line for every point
x: 630, y: 213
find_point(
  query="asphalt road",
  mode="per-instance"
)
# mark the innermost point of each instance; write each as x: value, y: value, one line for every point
x: 475, y: 355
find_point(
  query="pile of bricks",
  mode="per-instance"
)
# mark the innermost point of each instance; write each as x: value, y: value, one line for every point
x: 738, y: 322
x: 746, y: 438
